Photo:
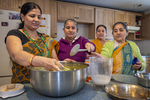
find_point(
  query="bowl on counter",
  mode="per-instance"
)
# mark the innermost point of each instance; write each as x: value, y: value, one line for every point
x: 59, y: 83
x: 127, y: 92
x: 143, y: 79
x: 10, y: 90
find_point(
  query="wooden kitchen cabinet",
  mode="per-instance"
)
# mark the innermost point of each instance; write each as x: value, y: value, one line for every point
x: 109, y: 22
x: 139, y: 34
x: 99, y: 19
x: 100, y: 16
x: 145, y: 27
x: 120, y: 16
x: 85, y: 14
x: 130, y: 18
x: 66, y: 11
x: 104, y: 17
x: 81, y: 13
x: 15, y: 5
x: 126, y: 17
x: 147, y: 64
x: 53, y: 13
x: 44, y: 4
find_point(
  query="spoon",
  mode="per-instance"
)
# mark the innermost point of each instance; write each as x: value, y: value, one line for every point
x: 76, y: 49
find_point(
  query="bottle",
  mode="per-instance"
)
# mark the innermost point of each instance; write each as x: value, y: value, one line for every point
x: 139, y: 22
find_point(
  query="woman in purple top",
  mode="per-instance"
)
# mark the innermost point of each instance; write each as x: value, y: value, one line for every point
x: 70, y: 40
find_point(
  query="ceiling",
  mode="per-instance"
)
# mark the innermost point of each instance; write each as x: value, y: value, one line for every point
x: 126, y: 5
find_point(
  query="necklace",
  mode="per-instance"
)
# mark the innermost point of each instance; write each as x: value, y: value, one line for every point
x: 37, y: 44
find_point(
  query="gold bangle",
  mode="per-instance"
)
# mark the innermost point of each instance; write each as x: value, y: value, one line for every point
x: 31, y: 60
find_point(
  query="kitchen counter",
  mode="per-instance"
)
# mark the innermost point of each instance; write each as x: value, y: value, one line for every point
x: 86, y: 93
x: 145, y: 55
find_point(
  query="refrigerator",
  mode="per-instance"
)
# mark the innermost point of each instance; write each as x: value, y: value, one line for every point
x: 10, y: 20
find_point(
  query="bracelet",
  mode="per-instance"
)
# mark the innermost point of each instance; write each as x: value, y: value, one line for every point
x: 31, y: 60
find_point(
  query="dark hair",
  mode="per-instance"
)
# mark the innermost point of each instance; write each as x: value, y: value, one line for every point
x: 101, y: 26
x: 71, y: 20
x: 25, y: 9
x: 124, y: 25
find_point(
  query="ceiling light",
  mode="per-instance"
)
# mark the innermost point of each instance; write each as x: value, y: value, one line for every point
x: 137, y: 5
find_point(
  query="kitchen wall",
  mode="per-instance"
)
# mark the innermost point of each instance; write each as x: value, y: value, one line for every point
x: 82, y: 30
x: 144, y: 46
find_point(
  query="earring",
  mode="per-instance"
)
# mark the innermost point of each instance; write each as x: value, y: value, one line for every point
x: 22, y: 20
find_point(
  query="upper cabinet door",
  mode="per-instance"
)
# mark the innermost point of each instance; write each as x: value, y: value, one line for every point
x: 84, y: 14
x: 109, y: 23
x: 53, y: 13
x: 81, y: 13
x: 130, y: 19
x: 99, y: 16
x: 44, y: 4
x: 145, y: 27
x: 17, y: 4
x: 66, y: 11
x: 11, y: 4
x: 120, y: 16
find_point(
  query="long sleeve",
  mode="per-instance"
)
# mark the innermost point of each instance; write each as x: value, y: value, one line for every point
x: 137, y: 53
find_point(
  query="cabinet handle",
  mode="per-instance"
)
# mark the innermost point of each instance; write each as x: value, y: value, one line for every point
x: 76, y: 17
x: 19, y: 7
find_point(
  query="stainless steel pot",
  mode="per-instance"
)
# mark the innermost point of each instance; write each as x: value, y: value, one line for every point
x: 143, y: 79
x: 59, y: 83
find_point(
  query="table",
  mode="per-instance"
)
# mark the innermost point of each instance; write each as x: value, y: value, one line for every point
x: 86, y: 93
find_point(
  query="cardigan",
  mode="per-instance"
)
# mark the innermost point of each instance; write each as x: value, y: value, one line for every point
x: 108, y: 48
x: 65, y: 48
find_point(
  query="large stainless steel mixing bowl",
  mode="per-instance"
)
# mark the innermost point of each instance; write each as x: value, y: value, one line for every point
x: 143, y: 79
x: 59, y: 83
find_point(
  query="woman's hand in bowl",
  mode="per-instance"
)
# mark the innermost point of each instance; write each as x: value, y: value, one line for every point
x: 53, y: 65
